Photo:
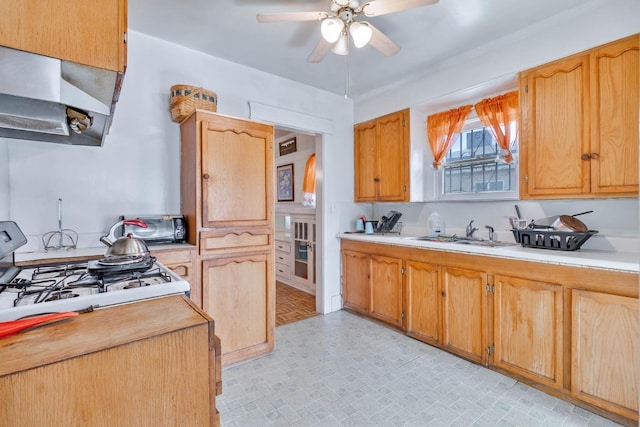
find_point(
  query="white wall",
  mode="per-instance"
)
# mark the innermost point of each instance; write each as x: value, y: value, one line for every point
x: 494, y: 67
x: 138, y: 170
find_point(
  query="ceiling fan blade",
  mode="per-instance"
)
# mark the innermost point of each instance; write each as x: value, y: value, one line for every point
x: 291, y: 17
x: 382, y: 7
x: 381, y: 42
x: 319, y: 52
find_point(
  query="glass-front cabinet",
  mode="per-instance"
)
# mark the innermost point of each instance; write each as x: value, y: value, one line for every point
x: 303, y: 231
x: 295, y: 250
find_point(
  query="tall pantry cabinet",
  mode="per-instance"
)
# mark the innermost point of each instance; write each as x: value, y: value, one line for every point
x: 227, y: 200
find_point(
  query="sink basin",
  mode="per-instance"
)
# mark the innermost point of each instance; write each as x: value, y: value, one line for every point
x: 463, y: 241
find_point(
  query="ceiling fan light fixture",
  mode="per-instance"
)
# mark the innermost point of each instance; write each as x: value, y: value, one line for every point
x: 342, y: 45
x: 331, y: 28
x: 361, y: 33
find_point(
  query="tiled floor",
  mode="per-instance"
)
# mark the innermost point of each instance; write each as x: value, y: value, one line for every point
x: 343, y: 370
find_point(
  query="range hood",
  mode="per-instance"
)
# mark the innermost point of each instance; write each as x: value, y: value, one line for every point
x: 46, y: 99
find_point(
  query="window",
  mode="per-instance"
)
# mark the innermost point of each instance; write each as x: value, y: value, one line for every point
x: 474, y: 165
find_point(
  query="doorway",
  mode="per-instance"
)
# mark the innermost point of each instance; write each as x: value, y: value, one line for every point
x: 296, y: 257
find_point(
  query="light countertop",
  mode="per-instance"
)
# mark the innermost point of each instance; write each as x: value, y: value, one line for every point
x: 606, y: 260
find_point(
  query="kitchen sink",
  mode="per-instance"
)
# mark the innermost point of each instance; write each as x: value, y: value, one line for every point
x: 463, y: 241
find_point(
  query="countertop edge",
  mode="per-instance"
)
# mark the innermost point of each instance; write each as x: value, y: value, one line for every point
x: 604, y: 260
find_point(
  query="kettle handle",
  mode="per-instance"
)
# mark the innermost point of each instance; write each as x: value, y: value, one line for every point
x: 136, y: 222
x: 111, y: 237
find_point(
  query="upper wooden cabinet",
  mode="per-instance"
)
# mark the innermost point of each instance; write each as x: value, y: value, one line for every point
x: 382, y: 159
x: 579, y: 134
x: 227, y: 173
x: 89, y: 32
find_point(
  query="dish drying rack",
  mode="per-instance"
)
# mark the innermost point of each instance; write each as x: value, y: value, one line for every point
x: 62, y: 238
x: 551, y: 239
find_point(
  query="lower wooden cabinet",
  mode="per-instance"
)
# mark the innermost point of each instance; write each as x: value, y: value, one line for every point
x: 573, y: 332
x: 182, y: 261
x: 148, y: 363
x: 372, y: 285
x: 356, y: 289
x: 604, y: 349
x: 423, y: 302
x: 386, y: 289
x: 464, y: 313
x: 239, y: 293
x: 528, y: 329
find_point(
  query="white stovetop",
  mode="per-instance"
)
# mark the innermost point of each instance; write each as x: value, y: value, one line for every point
x: 592, y: 258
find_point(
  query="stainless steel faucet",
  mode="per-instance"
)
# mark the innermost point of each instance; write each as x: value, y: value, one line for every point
x: 471, y: 229
x: 491, y: 230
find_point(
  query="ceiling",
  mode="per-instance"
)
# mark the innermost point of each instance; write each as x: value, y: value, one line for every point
x: 228, y: 29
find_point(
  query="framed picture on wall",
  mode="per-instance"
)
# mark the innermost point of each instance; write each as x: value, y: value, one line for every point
x: 287, y: 147
x: 285, y: 183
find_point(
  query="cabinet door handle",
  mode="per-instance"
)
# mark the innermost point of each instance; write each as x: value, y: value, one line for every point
x: 585, y: 157
x: 205, y: 176
x: 595, y: 156
x: 376, y: 179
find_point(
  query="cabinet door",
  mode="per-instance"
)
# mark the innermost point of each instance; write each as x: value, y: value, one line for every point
x: 365, y: 162
x: 392, y: 143
x: 356, y: 278
x: 89, y: 32
x: 614, y: 123
x: 237, y: 173
x: 464, y: 313
x: 386, y: 289
x: 239, y: 294
x: 528, y: 329
x: 604, y: 351
x: 422, y: 302
x: 555, y: 129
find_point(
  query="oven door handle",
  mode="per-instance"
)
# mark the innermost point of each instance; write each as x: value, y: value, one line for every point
x: 14, y: 326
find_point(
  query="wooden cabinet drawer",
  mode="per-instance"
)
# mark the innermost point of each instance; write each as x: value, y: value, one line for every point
x: 213, y: 241
x: 283, y: 271
x: 283, y: 247
x: 174, y: 256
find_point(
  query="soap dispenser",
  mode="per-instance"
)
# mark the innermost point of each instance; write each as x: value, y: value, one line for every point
x: 435, y: 225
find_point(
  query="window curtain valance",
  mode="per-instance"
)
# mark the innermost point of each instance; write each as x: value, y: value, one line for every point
x: 497, y: 114
x: 443, y: 128
x: 309, y: 182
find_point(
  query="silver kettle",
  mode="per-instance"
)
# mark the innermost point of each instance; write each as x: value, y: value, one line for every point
x: 125, y: 245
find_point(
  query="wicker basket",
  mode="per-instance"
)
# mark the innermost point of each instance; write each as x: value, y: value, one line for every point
x: 185, y: 99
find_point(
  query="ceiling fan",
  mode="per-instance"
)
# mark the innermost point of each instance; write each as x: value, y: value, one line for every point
x: 340, y: 22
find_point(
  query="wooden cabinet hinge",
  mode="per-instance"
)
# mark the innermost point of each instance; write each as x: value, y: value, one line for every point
x: 526, y: 179
x: 490, y: 350
x: 402, y: 315
x: 404, y: 188
x: 402, y: 270
x: 526, y: 88
x: 490, y: 288
x: 124, y: 37
x: 404, y: 123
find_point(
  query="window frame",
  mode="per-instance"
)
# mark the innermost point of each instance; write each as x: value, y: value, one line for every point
x: 473, y: 122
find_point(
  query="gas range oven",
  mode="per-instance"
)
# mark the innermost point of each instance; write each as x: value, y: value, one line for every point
x: 80, y: 285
